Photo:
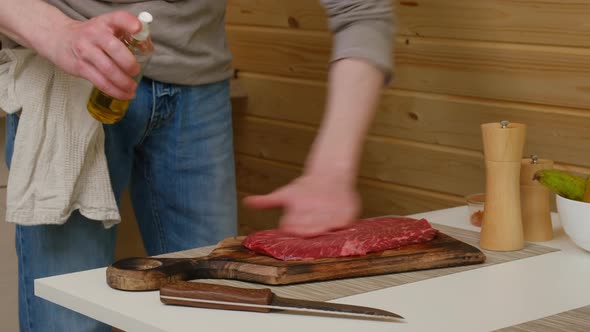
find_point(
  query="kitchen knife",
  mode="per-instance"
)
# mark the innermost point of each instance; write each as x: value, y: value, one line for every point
x: 213, y: 296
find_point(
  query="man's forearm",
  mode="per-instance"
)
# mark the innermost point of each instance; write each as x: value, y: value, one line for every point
x: 29, y: 22
x: 354, y: 89
x: 362, y: 54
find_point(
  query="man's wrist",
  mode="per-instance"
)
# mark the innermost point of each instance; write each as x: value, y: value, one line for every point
x: 332, y: 170
x: 48, y: 35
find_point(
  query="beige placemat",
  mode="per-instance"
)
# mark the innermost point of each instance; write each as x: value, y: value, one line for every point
x: 570, y: 321
x: 329, y: 290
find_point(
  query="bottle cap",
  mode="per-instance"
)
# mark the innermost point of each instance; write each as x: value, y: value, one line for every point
x: 145, y: 18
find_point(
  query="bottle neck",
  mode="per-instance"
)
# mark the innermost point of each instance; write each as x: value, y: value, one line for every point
x: 142, y: 35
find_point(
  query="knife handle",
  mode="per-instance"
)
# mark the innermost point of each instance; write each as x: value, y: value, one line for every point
x: 194, y: 293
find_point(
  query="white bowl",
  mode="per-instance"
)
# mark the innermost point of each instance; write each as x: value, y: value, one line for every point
x: 575, y: 219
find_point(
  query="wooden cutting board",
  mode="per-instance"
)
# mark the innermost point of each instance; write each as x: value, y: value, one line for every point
x: 230, y: 260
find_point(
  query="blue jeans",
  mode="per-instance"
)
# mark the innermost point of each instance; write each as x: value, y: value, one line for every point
x: 174, y: 151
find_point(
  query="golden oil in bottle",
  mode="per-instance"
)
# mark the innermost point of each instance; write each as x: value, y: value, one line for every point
x: 107, y: 109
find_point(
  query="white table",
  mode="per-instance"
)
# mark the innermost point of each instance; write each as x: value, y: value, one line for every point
x: 482, y: 299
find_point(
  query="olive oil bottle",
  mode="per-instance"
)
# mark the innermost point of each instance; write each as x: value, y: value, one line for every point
x: 107, y: 109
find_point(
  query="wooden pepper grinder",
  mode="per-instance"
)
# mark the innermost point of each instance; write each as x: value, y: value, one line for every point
x: 502, y: 220
x: 534, y: 201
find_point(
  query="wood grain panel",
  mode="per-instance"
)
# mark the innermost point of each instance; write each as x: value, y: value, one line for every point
x: 561, y: 22
x: 525, y: 73
x: 295, y: 14
x: 402, y: 162
x: 553, y: 22
x: 425, y: 166
x: 458, y: 64
x: 9, y: 270
x: 8, y: 258
x: 129, y: 242
x: 287, y: 53
x: 259, y: 176
x: 430, y: 118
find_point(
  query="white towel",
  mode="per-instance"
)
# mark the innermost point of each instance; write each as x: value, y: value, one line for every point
x: 58, y: 164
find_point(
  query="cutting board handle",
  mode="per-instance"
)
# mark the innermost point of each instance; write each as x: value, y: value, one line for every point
x: 149, y: 273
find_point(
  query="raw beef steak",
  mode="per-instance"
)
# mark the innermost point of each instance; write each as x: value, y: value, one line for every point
x: 365, y: 236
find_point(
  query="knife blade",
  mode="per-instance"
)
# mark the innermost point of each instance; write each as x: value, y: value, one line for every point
x: 213, y: 296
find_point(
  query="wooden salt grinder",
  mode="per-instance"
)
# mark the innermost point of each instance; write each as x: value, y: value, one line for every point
x: 534, y: 201
x: 502, y: 220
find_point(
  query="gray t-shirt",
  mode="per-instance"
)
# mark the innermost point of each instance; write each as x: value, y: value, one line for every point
x: 190, y: 42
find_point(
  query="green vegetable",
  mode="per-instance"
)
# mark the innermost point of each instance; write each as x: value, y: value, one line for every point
x: 564, y: 184
x: 587, y: 191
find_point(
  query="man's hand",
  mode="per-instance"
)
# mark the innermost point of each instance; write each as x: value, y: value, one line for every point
x: 89, y: 49
x: 92, y: 50
x: 312, y: 205
x: 324, y: 198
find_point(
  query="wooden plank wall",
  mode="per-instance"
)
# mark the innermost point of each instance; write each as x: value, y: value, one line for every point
x: 8, y: 272
x: 459, y: 63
